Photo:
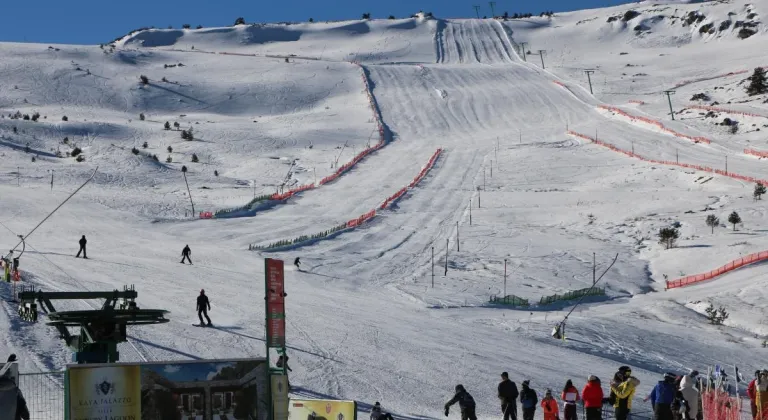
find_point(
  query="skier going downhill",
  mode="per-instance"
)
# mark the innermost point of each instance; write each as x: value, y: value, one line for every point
x: 466, y: 403
x: 203, y: 306
x: 185, y: 253
x: 83, y: 242
x: 297, y: 263
x: 508, y: 395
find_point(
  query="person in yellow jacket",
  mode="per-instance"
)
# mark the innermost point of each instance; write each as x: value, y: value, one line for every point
x: 624, y: 391
x: 761, y: 391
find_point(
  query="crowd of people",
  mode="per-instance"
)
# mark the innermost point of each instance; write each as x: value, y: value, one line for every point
x: 674, y: 397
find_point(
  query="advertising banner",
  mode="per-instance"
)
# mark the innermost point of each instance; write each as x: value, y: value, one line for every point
x: 322, y: 410
x: 106, y: 392
x: 178, y: 390
x: 275, y: 295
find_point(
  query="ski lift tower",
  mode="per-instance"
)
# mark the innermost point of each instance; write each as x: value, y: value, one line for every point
x: 101, y: 330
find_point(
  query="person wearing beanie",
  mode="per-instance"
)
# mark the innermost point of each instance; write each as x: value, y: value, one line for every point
x: 752, y: 393
x: 662, y: 396
x: 508, y: 396
x: 528, y: 400
x: 466, y: 403
x: 624, y: 393
x: 549, y: 406
x: 689, y: 407
x: 592, y: 395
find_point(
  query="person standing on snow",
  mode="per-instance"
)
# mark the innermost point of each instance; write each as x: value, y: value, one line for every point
x: 624, y: 392
x: 549, y: 406
x: 761, y: 395
x: 14, y: 406
x: 82, y: 242
x: 297, y: 263
x: 662, y: 396
x: 185, y: 253
x: 618, y: 378
x: 752, y: 393
x: 466, y: 403
x: 377, y: 414
x: 570, y: 397
x: 203, y: 306
x: 690, y: 405
x: 528, y: 400
x: 508, y: 395
x: 282, y: 362
x: 592, y: 395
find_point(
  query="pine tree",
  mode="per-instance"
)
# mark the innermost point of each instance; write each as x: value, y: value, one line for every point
x: 668, y: 236
x: 712, y: 221
x: 734, y: 219
x: 757, y: 83
x: 759, y: 191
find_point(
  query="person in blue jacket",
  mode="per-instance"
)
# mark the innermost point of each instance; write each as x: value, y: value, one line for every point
x: 662, y: 396
x: 528, y: 401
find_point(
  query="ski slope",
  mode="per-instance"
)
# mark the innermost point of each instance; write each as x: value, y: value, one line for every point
x: 364, y: 320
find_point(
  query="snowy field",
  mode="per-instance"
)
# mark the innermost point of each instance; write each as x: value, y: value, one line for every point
x: 364, y: 321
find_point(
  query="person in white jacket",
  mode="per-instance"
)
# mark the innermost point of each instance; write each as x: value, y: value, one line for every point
x: 690, y: 409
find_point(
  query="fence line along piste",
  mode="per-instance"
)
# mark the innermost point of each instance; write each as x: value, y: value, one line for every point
x: 352, y: 223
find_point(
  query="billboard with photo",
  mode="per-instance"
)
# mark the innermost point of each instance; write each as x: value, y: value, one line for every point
x: 322, y: 410
x: 178, y: 390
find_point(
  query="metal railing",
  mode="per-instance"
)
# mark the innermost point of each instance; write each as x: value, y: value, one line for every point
x: 44, y: 393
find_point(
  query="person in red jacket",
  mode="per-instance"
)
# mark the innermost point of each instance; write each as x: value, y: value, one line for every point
x: 549, y: 406
x: 592, y: 395
x: 752, y: 393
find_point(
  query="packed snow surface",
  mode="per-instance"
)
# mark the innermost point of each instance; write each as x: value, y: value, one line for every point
x: 273, y: 107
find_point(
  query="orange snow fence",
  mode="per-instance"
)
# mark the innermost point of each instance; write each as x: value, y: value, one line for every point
x: 754, y: 152
x: 701, y: 79
x: 658, y: 124
x: 719, y: 405
x: 288, y: 194
x: 725, y: 110
x: 733, y: 265
x: 669, y: 162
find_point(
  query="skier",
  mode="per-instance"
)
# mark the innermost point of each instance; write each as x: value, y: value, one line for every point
x: 203, y: 306
x: 466, y: 403
x: 377, y: 414
x: 508, y: 395
x: 549, y: 406
x: 528, y: 400
x: 83, y: 242
x: 623, y: 394
x: 570, y: 397
x: 14, y: 406
x: 662, y: 396
x: 592, y: 395
x: 297, y: 263
x: 690, y: 396
x: 185, y: 253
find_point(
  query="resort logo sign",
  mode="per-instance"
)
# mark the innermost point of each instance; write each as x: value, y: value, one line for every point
x: 104, y: 393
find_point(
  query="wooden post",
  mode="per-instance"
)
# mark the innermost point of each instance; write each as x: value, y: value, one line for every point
x: 433, y: 267
x: 457, y: 237
x: 446, y: 257
x: 470, y: 212
x: 505, y: 277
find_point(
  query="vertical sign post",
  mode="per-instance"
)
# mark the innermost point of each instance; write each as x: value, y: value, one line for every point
x: 274, y: 294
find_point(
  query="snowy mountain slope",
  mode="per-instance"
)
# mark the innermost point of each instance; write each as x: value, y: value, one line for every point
x: 364, y: 321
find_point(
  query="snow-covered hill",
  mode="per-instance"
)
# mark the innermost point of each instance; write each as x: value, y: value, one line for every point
x: 273, y: 107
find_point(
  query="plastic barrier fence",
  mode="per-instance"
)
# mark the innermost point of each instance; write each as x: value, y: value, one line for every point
x: 574, y: 294
x: 719, y: 405
x: 754, y: 152
x: 350, y: 224
x: 733, y: 265
x: 702, y: 79
x: 658, y: 124
x: 667, y: 162
x: 724, y: 110
x: 511, y: 300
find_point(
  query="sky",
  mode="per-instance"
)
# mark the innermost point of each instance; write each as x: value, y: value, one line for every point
x: 97, y: 22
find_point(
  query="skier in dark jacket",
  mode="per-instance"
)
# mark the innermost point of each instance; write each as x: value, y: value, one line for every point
x: 466, y: 403
x: 83, y: 242
x: 14, y: 406
x: 662, y: 396
x: 528, y: 400
x: 185, y: 253
x: 297, y: 263
x: 378, y: 414
x: 203, y: 306
x: 508, y: 395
